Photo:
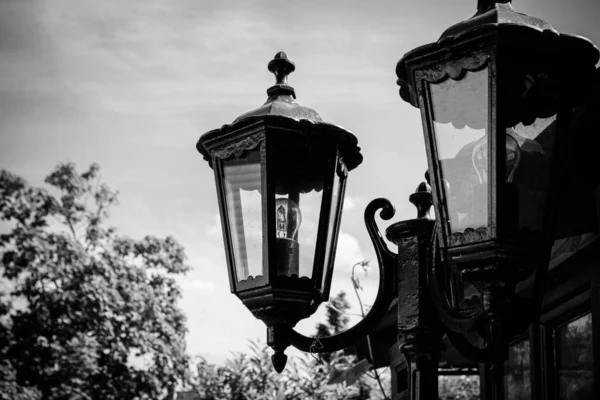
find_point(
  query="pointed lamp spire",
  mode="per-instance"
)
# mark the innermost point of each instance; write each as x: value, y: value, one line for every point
x: 485, y: 5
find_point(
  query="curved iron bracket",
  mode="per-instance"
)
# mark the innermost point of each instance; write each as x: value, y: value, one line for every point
x: 385, y: 294
x: 526, y: 309
x: 467, y: 349
x: 459, y: 321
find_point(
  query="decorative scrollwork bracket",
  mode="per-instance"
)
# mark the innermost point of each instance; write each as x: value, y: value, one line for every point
x: 385, y: 294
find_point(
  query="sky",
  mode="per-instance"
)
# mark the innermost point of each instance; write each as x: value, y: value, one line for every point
x: 132, y: 84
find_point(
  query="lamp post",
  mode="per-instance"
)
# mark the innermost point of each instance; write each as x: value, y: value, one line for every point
x: 495, y: 93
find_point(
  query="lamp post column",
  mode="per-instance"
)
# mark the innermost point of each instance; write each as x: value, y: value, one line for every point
x: 417, y: 321
x: 496, y: 320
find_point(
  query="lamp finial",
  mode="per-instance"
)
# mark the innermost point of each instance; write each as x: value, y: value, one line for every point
x: 281, y: 67
x: 421, y: 199
x: 485, y: 5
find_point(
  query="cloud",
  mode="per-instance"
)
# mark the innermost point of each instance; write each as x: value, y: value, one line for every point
x: 348, y: 251
x: 350, y: 203
x: 214, y: 229
x: 197, y: 285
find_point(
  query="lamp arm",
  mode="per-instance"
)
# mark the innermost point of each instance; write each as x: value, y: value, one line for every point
x: 528, y: 309
x: 385, y: 294
x: 456, y: 320
x: 467, y: 349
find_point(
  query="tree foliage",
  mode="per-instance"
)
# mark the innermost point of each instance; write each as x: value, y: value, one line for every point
x: 85, y: 313
x: 459, y: 387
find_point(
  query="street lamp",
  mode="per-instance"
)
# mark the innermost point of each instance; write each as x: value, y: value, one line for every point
x: 280, y: 173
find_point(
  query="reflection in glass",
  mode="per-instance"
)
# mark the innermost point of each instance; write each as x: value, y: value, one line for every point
x: 575, y: 360
x: 244, y: 211
x: 518, y: 372
x: 460, y: 120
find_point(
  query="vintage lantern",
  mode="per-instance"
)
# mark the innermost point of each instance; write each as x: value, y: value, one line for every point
x: 280, y: 173
x: 495, y: 93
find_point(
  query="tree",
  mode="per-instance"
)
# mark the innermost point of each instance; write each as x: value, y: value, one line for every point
x: 86, y: 313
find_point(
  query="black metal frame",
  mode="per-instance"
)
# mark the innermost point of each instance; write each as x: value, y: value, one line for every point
x: 340, y: 174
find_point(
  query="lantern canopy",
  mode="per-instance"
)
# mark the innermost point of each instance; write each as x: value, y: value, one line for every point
x: 280, y: 173
x: 495, y: 94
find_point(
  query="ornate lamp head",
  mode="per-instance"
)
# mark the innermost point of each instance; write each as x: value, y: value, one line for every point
x: 495, y: 94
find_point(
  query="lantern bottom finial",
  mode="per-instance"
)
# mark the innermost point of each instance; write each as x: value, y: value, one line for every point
x: 279, y: 359
x: 278, y: 337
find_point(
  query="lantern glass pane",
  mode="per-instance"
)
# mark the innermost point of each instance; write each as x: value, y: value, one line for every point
x: 575, y: 359
x: 529, y: 150
x: 334, y: 221
x: 242, y: 178
x: 517, y: 381
x: 298, y: 169
x: 460, y: 123
x: 296, y: 216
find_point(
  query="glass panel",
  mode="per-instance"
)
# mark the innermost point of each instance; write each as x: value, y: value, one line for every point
x: 242, y: 180
x: 518, y: 372
x: 529, y: 155
x: 575, y: 359
x: 471, y: 295
x: 297, y: 169
x: 458, y: 387
x: 460, y: 122
x: 333, y: 218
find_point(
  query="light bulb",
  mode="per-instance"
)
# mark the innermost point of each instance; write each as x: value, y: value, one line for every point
x: 513, y: 155
x: 287, y: 219
x: 472, y: 203
x: 479, y: 157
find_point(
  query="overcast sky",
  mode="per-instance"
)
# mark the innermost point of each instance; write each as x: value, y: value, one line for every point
x: 133, y: 84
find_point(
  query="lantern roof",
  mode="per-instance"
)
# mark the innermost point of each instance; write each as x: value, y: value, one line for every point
x: 519, y: 30
x: 282, y: 97
x: 281, y: 108
x: 496, y: 12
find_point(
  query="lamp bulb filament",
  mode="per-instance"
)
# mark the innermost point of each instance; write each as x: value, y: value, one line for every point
x: 288, y: 219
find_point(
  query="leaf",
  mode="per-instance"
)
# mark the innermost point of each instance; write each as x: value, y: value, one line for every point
x: 349, y: 376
